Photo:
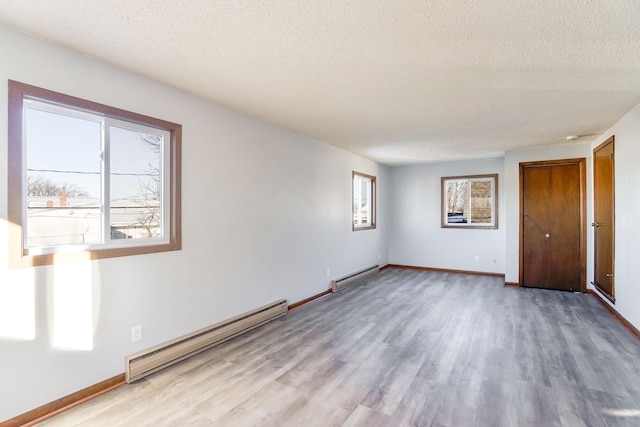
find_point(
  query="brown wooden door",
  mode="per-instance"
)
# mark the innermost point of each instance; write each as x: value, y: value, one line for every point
x: 552, y: 224
x: 603, y: 189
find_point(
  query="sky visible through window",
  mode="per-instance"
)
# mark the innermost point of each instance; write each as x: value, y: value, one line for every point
x: 66, y: 151
x: 65, y: 178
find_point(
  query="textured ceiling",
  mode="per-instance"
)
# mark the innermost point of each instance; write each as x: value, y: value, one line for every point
x: 399, y: 82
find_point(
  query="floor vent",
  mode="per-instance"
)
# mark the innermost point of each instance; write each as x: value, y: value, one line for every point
x: 340, y: 284
x: 159, y: 357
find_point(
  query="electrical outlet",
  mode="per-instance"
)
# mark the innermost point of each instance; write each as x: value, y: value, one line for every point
x: 136, y: 333
x: 328, y: 272
x: 477, y: 258
x: 378, y: 257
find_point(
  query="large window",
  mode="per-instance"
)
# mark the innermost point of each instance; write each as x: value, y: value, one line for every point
x: 87, y: 178
x: 364, y: 201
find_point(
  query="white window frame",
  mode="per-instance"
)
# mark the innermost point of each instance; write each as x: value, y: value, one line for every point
x: 23, y: 97
x: 356, y: 198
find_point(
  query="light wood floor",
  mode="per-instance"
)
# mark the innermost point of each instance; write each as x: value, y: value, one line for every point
x: 407, y: 347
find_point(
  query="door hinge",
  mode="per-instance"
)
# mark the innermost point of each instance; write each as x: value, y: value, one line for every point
x: 611, y: 157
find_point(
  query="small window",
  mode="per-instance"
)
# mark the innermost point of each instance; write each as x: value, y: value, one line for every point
x: 470, y: 201
x: 364, y: 201
x: 87, y: 178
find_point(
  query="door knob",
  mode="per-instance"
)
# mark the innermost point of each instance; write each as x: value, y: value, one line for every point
x: 595, y: 224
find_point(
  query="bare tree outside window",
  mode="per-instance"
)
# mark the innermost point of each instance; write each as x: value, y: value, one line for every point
x: 135, y: 183
x: 456, y: 196
x: 39, y: 186
x: 151, y: 188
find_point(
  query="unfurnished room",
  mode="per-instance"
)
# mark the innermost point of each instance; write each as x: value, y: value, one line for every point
x: 306, y: 213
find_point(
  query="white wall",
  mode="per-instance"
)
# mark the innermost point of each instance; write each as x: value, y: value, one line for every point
x: 627, y: 212
x: 512, y: 198
x: 265, y: 212
x: 416, y: 237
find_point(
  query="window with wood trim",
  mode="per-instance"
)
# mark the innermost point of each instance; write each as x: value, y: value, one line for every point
x: 470, y: 201
x: 364, y: 201
x: 88, y: 181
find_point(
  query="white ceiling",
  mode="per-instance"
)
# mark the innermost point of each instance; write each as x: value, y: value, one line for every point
x: 397, y: 81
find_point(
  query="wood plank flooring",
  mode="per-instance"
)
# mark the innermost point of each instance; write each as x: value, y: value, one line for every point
x: 405, y: 348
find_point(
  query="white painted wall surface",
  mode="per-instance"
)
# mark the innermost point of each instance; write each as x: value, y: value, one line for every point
x: 512, y: 198
x: 627, y: 214
x: 265, y: 212
x: 416, y: 237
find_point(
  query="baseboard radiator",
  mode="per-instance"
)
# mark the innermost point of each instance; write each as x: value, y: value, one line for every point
x: 358, y: 276
x: 148, y: 361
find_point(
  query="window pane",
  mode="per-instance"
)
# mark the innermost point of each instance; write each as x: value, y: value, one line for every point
x: 63, y: 179
x: 356, y: 200
x: 365, y: 192
x: 457, y: 202
x: 481, y: 202
x: 470, y: 201
x: 135, y: 184
x: 363, y: 201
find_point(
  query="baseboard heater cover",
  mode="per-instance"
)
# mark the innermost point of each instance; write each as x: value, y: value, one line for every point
x: 151, y: 360
x: 358, y: 276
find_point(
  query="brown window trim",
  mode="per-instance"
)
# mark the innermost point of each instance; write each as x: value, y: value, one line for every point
x: 494, y: 201
x: 18, y: 256
x: 373, y: 202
